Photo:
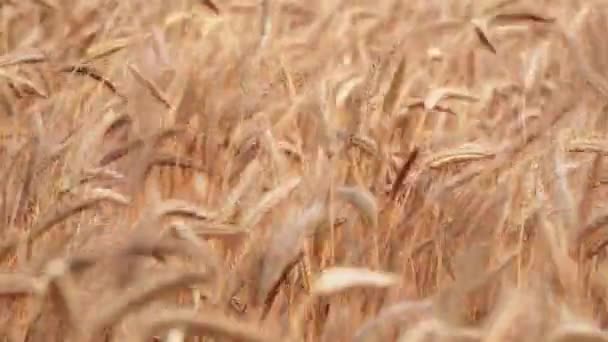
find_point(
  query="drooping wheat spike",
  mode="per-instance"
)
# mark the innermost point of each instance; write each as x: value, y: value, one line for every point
x: 364, y: 201
x: 269, y: 200
x: 23, y: 82
x: 439, y: 94
x: 403, y: 173
x: 107, y: 48
x: 468, y: 152
x: 286, y: 247
x: 336, y: 279
x: 22, y: 56
x: 138, y: 143
x: 366, y: 144
x: 392, y: 96
x: 89, y: 71
x: 246, y: 180
x: 61, y: 213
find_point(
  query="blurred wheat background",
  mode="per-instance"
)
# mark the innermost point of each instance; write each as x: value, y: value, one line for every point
x: 333, y: 170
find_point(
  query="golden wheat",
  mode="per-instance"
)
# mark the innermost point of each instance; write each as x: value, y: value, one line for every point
x: 303, y: 171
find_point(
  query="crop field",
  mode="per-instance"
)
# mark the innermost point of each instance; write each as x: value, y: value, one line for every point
x: 322, y: 170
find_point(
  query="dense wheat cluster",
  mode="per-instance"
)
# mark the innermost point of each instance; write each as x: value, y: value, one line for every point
x: 322, y: 170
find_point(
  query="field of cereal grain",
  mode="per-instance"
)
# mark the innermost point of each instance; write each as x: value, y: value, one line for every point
x: 258, y: 170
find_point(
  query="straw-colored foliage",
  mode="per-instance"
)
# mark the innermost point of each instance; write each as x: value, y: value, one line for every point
x: 323, y: 170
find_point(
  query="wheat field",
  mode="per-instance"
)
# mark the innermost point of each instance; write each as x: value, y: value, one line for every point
x: 257, y: 170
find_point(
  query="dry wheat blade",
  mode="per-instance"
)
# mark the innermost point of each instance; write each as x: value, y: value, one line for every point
x: 363, y: 200
x: 338, y: 279
x: 151, y: 86
x: 183, y: 208
x: 108, y: 47
x: 61, y: 213
x: 346, y: 89
x: 268, y: 201
x: 480, y: 25
x: 24, y: 82
x: 22, y: 57
x: 466, y: 152
x: 365, y: 143
x: 138, y: 143
x: 403, y: 172
x: 392, y: 96
x: 438, y: 94
x: 517, y: 16
x: 285, y: 246
x: 85, y: 70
